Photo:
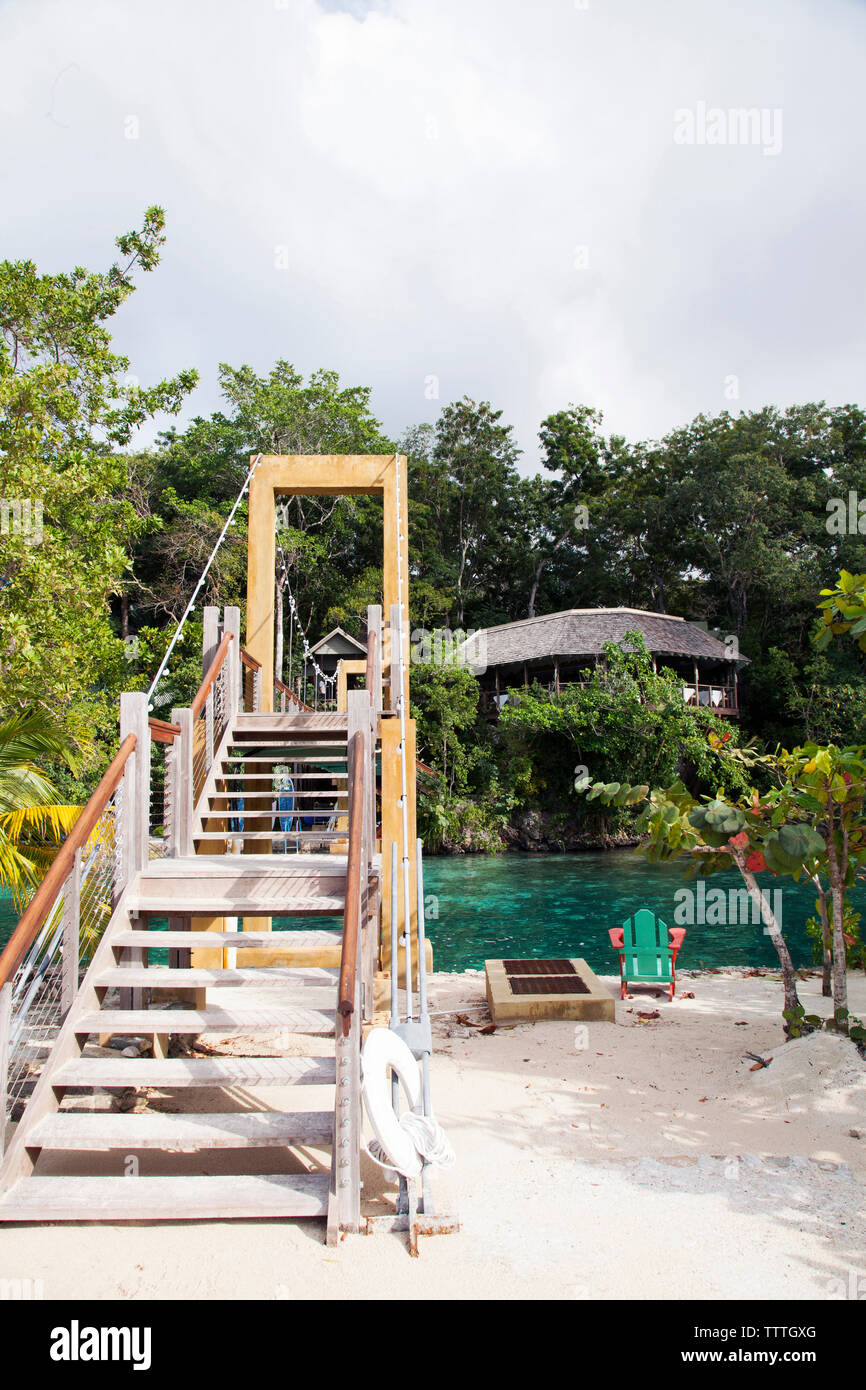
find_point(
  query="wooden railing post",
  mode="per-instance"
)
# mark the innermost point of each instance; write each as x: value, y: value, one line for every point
x: 181, y: 768
x: 134, y: 720
x: 232, y: 624
x: 395, y: 670
x: 210, y: 638
x: 374, y: 640
x: 132, y: 804
x: 345, y: 1207
x: 209, y: 646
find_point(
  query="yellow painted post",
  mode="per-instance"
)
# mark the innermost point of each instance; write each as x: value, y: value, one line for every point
x: 313, y: 475
x: 206, y: 959
x: 308, y: 475
x: 392, y: 826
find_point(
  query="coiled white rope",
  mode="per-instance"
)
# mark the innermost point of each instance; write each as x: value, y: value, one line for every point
x: 429, y: 1138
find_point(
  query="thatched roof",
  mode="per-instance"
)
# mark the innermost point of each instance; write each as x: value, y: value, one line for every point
x: 583, y: 632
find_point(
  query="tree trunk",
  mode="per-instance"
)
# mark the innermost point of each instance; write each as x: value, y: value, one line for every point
x: 789, y: 978
x: 838, y: 868
x: 826, y: 953
x: 534, y: 591
x: 541, y: 565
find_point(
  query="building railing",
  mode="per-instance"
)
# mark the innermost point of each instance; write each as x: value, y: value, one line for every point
x: 719, y: 699
x: 716, y: 698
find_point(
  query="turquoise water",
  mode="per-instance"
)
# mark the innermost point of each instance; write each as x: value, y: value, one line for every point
x: 562, y: 905
x: 481, y: 908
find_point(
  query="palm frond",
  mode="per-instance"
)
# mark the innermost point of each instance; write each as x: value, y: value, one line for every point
x: 18, y: 872
x: 42, y: 821
x: 33, y: 735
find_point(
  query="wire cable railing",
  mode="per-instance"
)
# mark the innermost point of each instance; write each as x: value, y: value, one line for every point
x: 53, y: 943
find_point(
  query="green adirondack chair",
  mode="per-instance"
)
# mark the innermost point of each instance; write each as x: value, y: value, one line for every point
x: 647, y: 949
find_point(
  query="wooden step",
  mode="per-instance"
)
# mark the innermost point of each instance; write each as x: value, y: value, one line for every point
x: 264, y: 750
x: 137, y: 1021
x: 166, y: 1199
x: 320, y: 836
x: 326, y: 721
x: 302, y: 795
x: 204, y: 941
x: 241, y: 738
x: 307, y: 776
x: 251, y: 813
x: 295, y: 991
x: 243, y: 755
x: 267, y: 778
x: 220, y: 866
x: 212, y: 906
x: 68, y: 1129
x: 183, y: 1072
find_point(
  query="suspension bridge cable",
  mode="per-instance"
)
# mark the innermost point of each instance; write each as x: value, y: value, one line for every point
x: 231, y: 516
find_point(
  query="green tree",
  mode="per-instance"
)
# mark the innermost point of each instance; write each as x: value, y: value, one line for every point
x: 809, y: 821
x: 626, y: 724
x: 477, y: 455
x: 67, y: 405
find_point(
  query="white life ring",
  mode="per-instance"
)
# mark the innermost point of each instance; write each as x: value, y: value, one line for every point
x: 382, y: 1052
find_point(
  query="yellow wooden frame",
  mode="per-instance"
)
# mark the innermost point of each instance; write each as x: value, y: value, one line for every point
x: 339, y: 475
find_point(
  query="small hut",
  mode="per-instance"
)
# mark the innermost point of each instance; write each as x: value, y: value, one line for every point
x: 328, y: 652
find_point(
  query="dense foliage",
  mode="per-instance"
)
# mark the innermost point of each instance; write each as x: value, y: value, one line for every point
x: 738, y: 521
x: 67, y: 407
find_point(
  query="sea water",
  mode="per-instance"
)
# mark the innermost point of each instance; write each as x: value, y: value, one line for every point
x: 482, y: 907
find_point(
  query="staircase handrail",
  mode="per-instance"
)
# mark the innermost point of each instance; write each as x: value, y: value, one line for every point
x: 162, y: 730
x: 210, y: 677
x: 296, y: 700
x: 46, y: 894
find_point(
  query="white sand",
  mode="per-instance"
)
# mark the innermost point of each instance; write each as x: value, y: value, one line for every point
x: 637, y: 1159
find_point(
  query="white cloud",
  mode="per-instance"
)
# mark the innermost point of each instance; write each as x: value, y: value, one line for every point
x: 430, y: 170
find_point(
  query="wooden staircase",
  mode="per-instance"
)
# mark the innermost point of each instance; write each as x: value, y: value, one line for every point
x: 243, y: 1146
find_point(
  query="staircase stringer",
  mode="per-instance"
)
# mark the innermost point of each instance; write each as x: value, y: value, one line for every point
x: 20, y: 1160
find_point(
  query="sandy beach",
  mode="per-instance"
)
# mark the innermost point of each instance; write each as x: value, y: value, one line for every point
x: 636, y: 1159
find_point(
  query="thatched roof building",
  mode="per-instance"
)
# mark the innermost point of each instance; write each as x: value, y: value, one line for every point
x: 557, y: 648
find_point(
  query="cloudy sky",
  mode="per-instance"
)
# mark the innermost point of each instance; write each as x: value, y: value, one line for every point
x: 527, y: 203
